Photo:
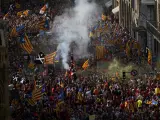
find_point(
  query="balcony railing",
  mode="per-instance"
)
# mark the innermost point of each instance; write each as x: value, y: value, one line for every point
x: 151, y: 26
x: 148, y: 2
x: 152, y: 29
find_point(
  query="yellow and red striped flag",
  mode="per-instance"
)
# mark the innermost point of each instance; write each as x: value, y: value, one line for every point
x: 41, y: 25
x: 6, y: 16
x: 20, y: 13
x: 26, y: 12
x: 137, y: 46
x: 104, y: 17
x: 13, y: 32
x: 37, y: 94
x: 49, y: 59
x: 31, y: 65
x: 85, y: 64
x: 149, y: 56
x: 128, y: 49
x: 100, y: 53
x: 26, y: 44
x: 43, y: 9
x: 31, y: 102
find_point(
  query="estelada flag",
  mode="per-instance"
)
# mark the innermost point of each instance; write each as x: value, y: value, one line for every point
x: 26, y: 44
x: 49, y: 59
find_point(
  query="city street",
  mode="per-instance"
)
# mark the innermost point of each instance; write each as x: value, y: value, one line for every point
x: 79, y: 60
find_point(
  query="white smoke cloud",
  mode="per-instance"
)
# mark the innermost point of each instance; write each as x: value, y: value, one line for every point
x: 72, y: 26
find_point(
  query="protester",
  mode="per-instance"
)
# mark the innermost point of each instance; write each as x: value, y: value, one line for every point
x: 65, y: 98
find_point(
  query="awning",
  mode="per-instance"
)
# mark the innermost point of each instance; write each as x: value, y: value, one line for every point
x: 115, y: 10
x: 148, y: 2
x: 108, y: 4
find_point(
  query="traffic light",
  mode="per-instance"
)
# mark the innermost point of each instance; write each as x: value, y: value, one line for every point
x: 124, y: 75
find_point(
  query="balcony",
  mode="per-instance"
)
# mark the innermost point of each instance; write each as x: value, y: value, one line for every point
x: 108, y: 4
x: 152, y: 29
x: 149, y: 26
x: 148, y: 2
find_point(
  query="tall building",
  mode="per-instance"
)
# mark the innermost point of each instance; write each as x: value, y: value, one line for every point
x: 4, y: 108
x: 158, y: 14
x: 142, y: 19
x: 115, y: 6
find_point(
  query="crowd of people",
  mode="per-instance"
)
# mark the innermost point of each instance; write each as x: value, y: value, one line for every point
x: 63, y: 98
x: 89, y: 98
x: 26, y: 16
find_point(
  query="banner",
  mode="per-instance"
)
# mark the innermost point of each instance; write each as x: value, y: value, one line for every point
x: 100, y: 53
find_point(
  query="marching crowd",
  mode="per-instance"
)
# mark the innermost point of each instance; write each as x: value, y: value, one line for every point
x: 26, y: 16
x: 86, y: 98
x: 89, y: 98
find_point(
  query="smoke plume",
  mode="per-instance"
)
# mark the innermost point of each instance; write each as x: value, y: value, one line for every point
x: 71, y: 27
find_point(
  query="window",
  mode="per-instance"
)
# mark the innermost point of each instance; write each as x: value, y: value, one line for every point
x: 133, y: 4
x: 0, y: 58
x: 159, y: 11
x: 0, y: 40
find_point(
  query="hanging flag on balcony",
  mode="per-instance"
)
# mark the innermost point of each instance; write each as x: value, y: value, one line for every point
x: 137, y: 46
x: 149, y: 56
x: 128, y: 53
x: 100, y: 52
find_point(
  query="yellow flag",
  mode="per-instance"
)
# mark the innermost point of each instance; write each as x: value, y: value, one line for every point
x: 31, y: 65
x: 157, y: 90
x: 91, y: 34
x: 92, y: 117
x: 128, y: 49
x: 85, y: 64
x: 104, y: 17
x: 13, y: 32
x: 26, y: 13
x: 100, y: 53
x: 149, y: 56
x: 19, y: 13
x: 5, y: 16
x: 18, y: 5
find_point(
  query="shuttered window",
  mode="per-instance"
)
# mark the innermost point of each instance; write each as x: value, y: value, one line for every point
x: 159, y: 15
x: 133, y: 4
x: 0, y: 40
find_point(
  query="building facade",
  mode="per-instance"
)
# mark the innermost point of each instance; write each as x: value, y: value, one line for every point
x: 158, y: 14
x: 142, y: 19
x: 4, y: 103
